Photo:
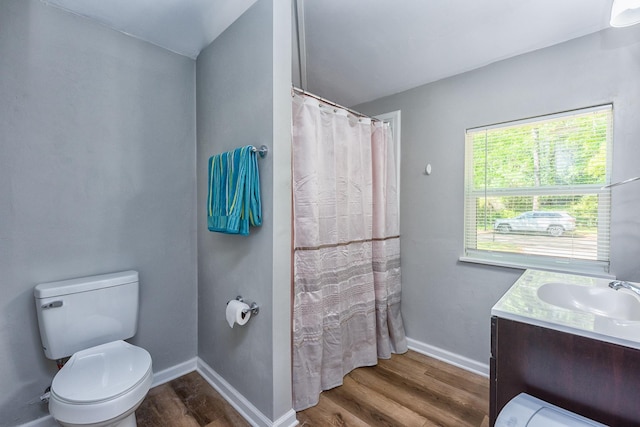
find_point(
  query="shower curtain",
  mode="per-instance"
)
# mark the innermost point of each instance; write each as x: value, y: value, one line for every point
x: 346, y: 310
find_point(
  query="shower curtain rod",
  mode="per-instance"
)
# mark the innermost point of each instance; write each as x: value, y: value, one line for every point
x: 333, y: 104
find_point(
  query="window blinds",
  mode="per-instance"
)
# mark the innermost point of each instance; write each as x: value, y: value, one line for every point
x: 533, y: 191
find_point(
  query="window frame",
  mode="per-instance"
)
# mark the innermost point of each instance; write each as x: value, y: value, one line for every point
x: 470, y: 252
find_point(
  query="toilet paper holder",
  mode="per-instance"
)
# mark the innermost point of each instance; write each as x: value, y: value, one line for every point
x: 253, y: 307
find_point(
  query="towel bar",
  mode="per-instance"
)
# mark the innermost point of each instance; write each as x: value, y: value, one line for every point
x: 263, y: 150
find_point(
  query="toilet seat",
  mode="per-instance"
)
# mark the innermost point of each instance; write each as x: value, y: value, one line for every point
x: 101, y: 383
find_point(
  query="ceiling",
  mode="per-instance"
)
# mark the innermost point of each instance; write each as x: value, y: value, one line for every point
x: 360, y: 50
x: 181, y: 26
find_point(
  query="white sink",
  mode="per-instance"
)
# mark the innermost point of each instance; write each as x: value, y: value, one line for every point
x: 574, y: 304
x: 601, y: 301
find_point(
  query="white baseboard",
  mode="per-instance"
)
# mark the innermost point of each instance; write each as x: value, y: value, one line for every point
x: 230, y: 394
x: 47, y: 421
x: 449, y: 357
x: 287, y: 420
x: 240, y: 403
x: 174, y: 372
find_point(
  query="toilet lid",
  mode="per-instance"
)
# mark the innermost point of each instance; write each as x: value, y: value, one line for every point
x: 101, y: 373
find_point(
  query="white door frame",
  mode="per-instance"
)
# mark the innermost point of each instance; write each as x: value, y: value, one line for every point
x: 393, y: 118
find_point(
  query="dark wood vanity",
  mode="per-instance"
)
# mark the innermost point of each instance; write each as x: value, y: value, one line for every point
x: 596, y: 379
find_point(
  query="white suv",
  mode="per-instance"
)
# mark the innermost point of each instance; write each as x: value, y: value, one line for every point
x: 554, y: 223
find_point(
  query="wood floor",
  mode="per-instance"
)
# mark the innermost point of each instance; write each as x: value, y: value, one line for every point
x: 407, y: 390
x: 188, y: 401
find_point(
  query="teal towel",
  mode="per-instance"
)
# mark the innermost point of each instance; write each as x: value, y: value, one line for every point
x: 234, y: 192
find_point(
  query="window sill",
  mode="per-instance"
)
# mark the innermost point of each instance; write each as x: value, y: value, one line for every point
x: 585, y: 269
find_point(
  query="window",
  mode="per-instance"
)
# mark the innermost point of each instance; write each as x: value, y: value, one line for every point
x: 533, y: 192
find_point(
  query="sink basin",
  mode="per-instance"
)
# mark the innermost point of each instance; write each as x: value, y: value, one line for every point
x: 578, y: 305
x: 601, y: 301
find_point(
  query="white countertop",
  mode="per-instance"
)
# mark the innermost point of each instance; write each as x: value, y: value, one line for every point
x: 521, y: 303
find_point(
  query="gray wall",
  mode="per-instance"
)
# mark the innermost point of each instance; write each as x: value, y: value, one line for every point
x: 447, y: 303
x: 97, y: 174
x: 243, y: 81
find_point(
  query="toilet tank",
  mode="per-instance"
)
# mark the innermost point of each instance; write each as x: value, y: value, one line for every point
x: 76, y: 314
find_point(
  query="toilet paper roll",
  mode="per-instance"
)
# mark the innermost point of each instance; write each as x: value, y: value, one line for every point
x: 237, y: 312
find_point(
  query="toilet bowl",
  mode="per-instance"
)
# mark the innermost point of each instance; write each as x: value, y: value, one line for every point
x: 101, y: 386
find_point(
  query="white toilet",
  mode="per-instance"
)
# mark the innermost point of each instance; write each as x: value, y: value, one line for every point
x: 106, y: 379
